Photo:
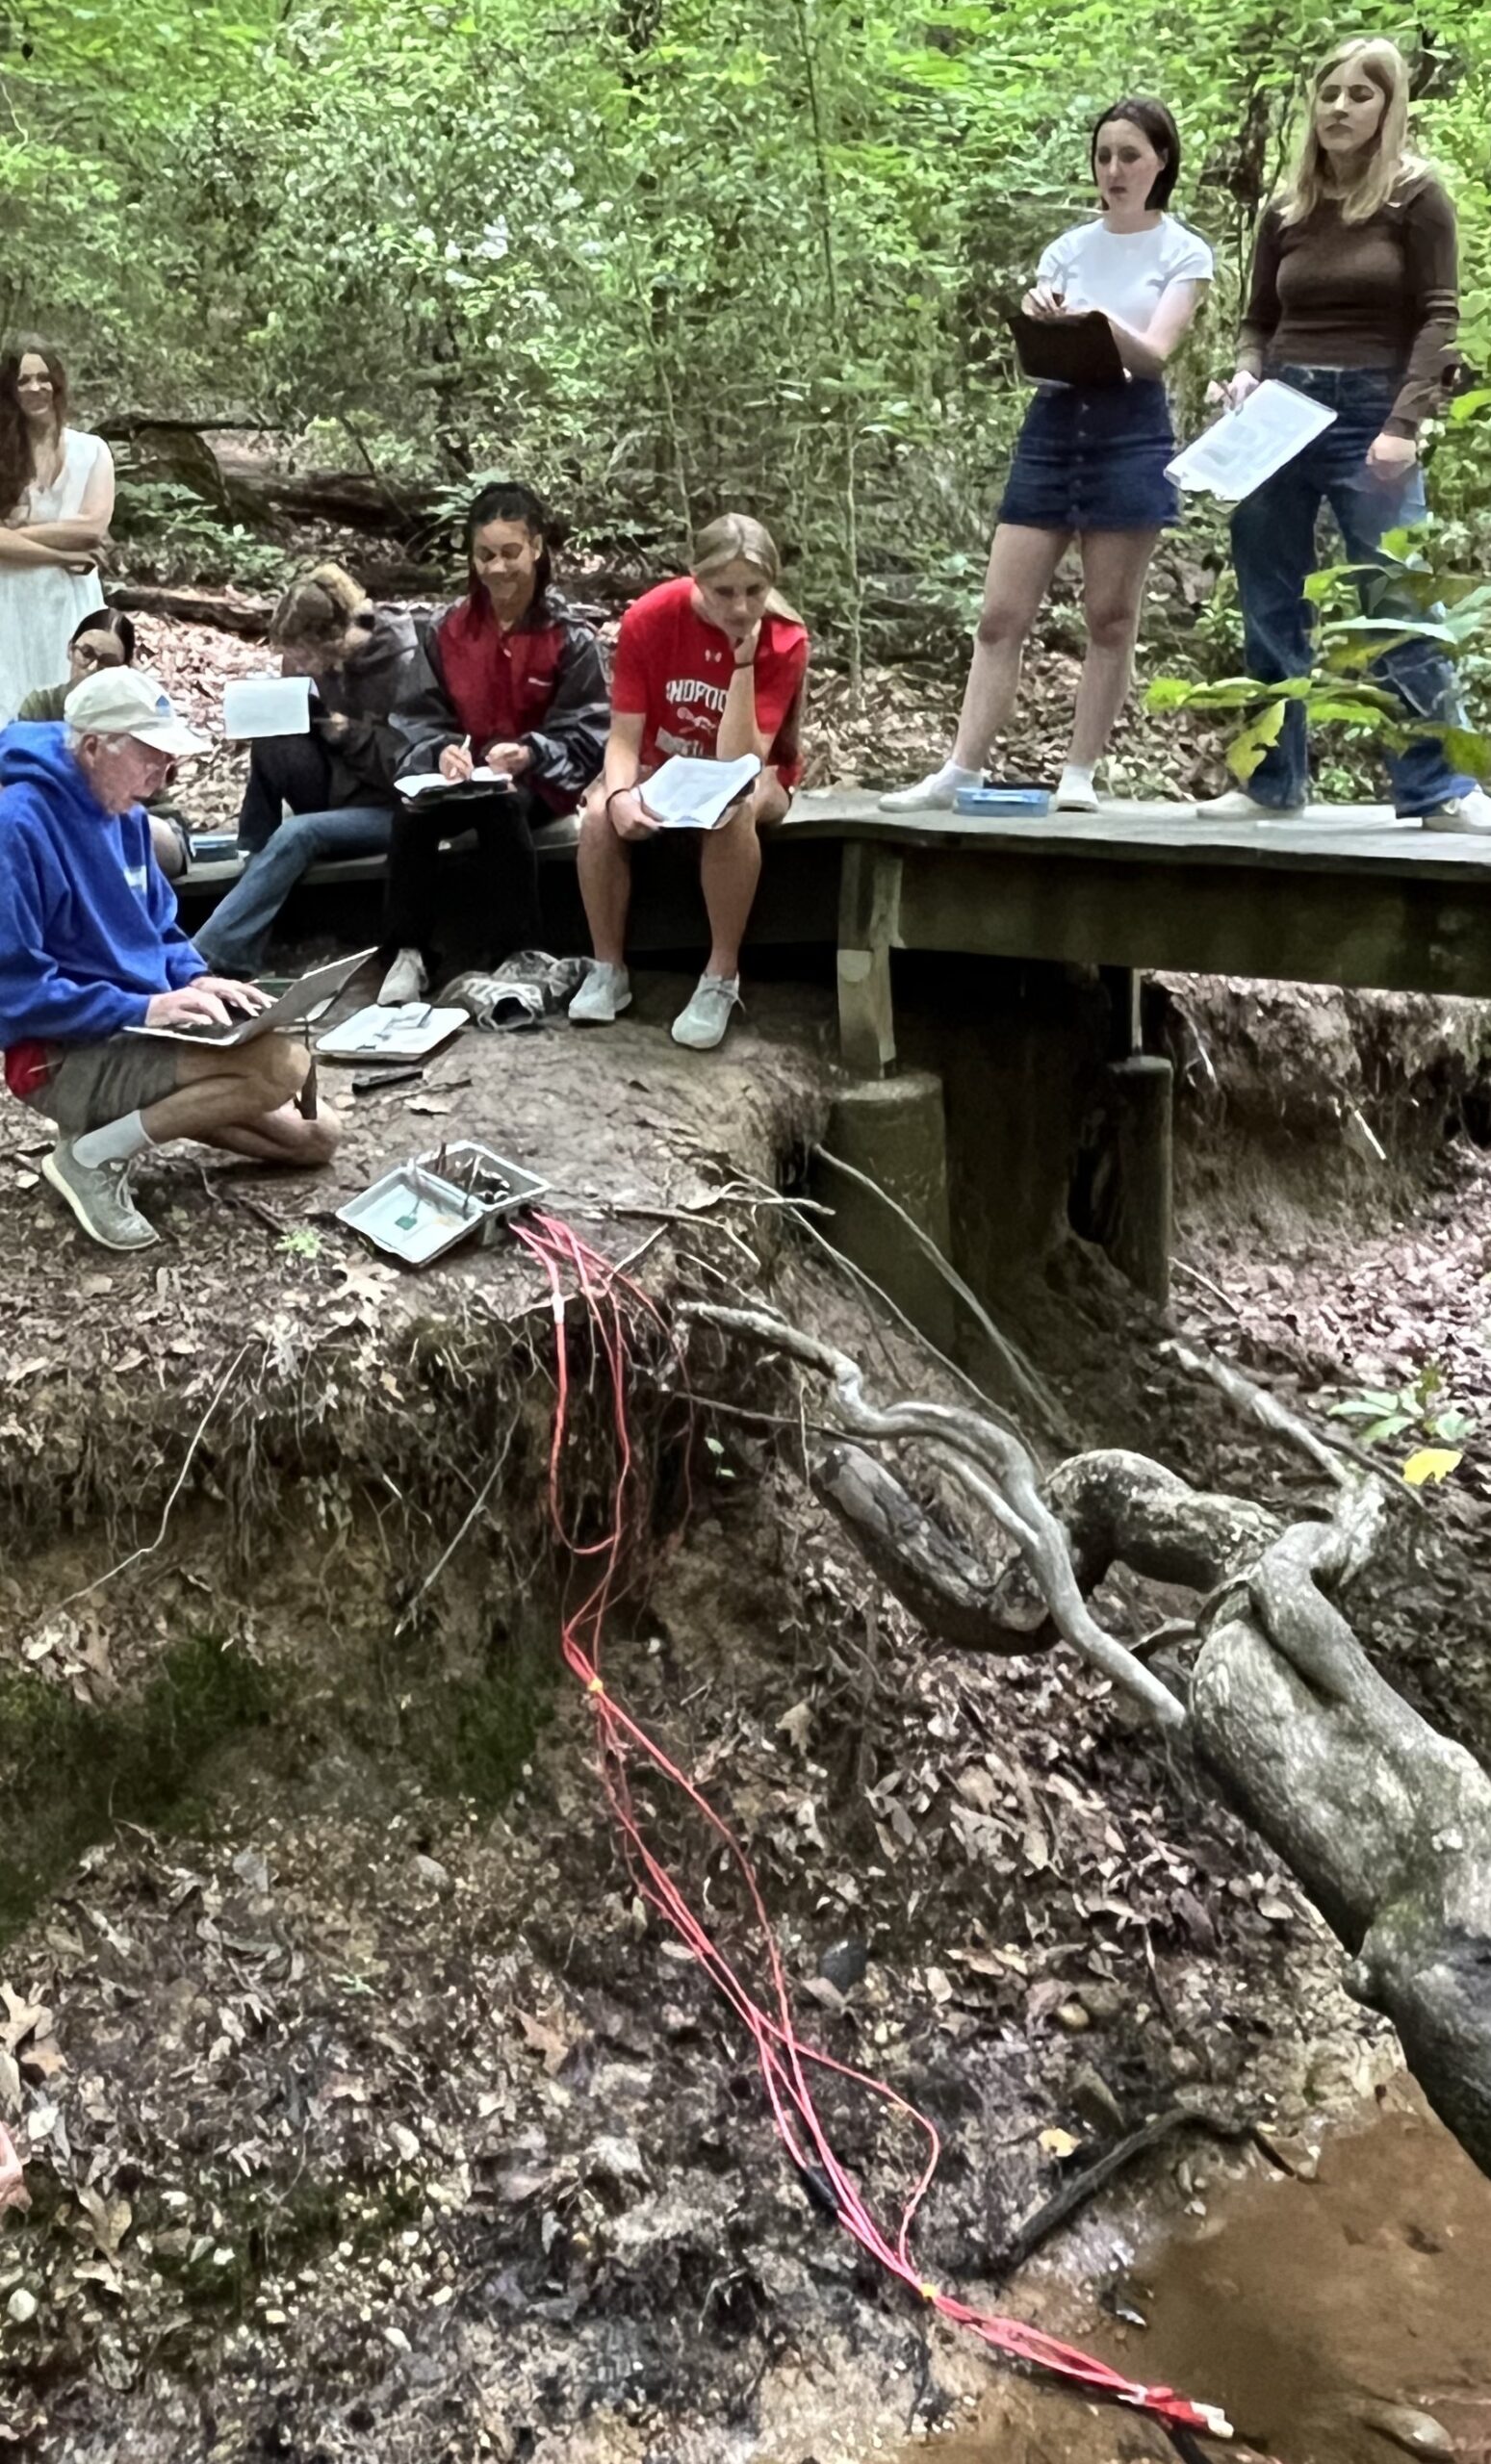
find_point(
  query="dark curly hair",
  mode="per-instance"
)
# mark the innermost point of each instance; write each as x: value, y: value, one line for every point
x: 509, y: 501
x: 16, y: 466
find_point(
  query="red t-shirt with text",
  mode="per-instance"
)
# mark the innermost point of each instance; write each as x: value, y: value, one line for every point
x: 672, y: 671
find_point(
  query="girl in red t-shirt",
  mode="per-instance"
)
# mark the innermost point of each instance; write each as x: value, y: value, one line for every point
x: 711, y: 665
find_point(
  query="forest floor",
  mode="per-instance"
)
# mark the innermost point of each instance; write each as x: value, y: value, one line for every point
x: 368, y: 2113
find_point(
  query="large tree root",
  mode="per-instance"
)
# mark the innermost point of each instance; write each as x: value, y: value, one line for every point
x: 1386, y: 1823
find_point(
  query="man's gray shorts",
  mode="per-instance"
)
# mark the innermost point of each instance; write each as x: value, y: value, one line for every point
x: 88, y: 1085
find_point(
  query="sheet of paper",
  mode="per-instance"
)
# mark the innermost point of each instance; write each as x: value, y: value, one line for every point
x: 1232, y: 458
x: 426, y: 782
x: 691, y: 794
x: 254, y: 706
x: 407, y: 1032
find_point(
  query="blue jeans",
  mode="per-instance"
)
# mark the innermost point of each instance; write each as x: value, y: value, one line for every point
x: 1273, y: 551
x: 233, y: 938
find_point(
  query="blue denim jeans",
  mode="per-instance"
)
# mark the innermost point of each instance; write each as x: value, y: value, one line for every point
x: 1273, y: 551
x: 232, y: 940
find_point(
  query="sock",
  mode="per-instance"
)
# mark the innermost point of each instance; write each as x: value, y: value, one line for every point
x: 953, y: 775
x: 1076, y: 775
x: 116, y: 1142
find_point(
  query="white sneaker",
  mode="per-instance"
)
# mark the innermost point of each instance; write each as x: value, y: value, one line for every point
x: 1075, y: 794
x: 603, y: 996
x: 703, y: 1024
x: 937, y: 792
x: 1237, y: 805
x: 1471, y: 811
x: 406, y: 980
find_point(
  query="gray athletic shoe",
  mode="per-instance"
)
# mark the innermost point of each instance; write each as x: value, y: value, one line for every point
x: 703, y: 1024
x: 98, y: 1194
x: 603, y: 996
x: 407, y: 980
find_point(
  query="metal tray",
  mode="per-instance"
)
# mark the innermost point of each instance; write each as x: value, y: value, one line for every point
x: 417, y: 1214
x: 477, y: 1170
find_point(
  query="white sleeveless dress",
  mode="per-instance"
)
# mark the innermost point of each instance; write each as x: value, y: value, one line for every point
x: 41, y: 606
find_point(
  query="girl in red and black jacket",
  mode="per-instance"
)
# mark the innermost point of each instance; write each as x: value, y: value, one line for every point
x: 712, y: 664
x: 508, y: 679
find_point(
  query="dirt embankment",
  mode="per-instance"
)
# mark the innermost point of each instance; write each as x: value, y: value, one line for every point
x: 368, y: 2113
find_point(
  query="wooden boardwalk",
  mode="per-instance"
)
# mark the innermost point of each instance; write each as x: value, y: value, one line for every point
x: 1346, y: 896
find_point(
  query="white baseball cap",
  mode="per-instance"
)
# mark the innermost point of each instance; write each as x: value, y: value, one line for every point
x: 126, y: 700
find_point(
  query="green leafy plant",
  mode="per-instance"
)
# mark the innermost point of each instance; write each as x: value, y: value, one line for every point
x: 1364, y: 611
x: 1421, y: 1409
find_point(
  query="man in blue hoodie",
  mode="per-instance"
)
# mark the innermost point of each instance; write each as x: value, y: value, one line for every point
x: 90, y: 947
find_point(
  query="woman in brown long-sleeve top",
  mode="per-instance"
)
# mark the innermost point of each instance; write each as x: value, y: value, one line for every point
x: 1354, y: 301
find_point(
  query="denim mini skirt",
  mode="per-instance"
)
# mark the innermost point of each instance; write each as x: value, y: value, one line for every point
x: 1093, y: 457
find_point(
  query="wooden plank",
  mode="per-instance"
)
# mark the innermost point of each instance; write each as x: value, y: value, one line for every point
x: 870, y: 895
x: 1390, y: 933
x: 1360, y: 838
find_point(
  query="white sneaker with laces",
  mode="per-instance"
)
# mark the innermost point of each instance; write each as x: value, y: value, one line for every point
x: 1237, y: 805
x: 702, y: 1025
x: 407, y: 980
x: 603, y: 996
x: 1471, y: 811
x: 98, y: 1194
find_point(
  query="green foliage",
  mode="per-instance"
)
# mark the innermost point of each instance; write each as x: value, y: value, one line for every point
x: 1363, y: 611
x: 656, y: 257
x: 1422, y: 1409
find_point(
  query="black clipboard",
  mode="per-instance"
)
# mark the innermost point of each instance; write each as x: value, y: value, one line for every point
x: 1080, y: 352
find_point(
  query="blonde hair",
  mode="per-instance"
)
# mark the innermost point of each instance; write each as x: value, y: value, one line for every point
x: 738, y: 538
x: 318, y: 608
x: 1388, y: 162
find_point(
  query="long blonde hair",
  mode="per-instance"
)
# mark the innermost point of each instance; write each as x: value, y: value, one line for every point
x: 1389, y: 161
x: 738, y: 537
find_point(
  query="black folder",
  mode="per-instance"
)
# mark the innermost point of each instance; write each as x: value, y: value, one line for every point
x: 1081, y: 352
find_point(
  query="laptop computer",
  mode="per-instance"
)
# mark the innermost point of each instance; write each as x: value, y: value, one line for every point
x: 305, y: 1000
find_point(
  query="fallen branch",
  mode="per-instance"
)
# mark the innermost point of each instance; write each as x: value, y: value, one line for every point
x: 1080, y: 2188
x: 993, y: 1468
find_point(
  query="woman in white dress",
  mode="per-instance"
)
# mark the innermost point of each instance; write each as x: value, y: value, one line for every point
x: 55, y: 504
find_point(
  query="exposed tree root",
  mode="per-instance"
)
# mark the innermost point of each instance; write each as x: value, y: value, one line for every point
x: 1385, y: 1822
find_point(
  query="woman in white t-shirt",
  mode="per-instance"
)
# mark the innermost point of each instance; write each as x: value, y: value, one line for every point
x: 1090, y: 459
x: 56, y: 505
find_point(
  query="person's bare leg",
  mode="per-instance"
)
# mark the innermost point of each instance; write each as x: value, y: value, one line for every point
x: 166, y: 848
x: 1021, y: 564
x: 604, y: 868
x: 243, y: 1099
x: 1113, y: 567
x: 729, y: 868
x: 1022, y: 567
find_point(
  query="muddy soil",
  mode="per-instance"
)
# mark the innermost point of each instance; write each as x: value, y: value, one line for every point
x: 1338, y: 2314
x: 368, y: 2113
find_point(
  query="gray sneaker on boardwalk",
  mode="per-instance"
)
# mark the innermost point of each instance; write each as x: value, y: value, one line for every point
x: 98, y: 1194
x: 703, y: 1024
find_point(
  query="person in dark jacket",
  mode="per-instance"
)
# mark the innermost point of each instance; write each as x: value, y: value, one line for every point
x: 338, y: 780
x: 89, y: 949
x: 511, y: 682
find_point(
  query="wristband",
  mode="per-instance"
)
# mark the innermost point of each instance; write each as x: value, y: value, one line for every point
x: 633, y: 790
x: 746, y: 662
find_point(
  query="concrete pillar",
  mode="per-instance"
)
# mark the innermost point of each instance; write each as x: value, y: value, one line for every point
x: 1140, y: 1097
x: 892, y: 1130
